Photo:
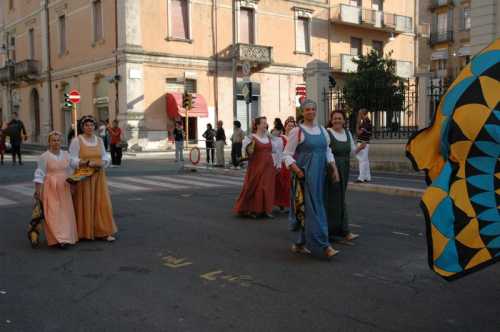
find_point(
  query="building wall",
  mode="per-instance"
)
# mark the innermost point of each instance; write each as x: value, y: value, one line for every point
x: 485, y: 23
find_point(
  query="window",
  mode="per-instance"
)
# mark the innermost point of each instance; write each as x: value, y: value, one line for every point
x: 356, y: 46
x: 378, y: 47
x: 31, y: 45
x: 190, y: 85
x: 356, y: 3
x: 97, y: 18
x: 11, y: 4
x: 439, y: 64
x: 303, y: 36
x: 378, y: 5
x: 62, y: 35
x: 466, y: 19
x: 442, y: 23
x: 179, y: 19
x: 247, y: 26
x: 13, y: 48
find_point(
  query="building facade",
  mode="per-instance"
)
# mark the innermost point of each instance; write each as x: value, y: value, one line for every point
x: 485, y: 23
x: 131, y: 60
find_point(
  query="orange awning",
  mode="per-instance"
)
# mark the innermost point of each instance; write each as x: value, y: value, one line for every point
x: 175, y: 109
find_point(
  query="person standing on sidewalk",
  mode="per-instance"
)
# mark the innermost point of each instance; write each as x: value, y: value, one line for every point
x: 257, y: 195
x: 115, y: 134
x: 237, y: 144
x: 220, y: 142
x: 179, y: 142
x: 17, y: 133
x: 364, y: 133
x: 342, y: 146
x: 103, y: 134
x: 2, y: 141
x: 209, y: 136
x: 308, y: 155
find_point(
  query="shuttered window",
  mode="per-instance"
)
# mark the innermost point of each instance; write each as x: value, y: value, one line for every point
x: 303, y: 35
x: 246, y: 26
x: 356, y: 46
x: 97, y: 15
x: 179, y: 17
x: 31, y: 45
x: 62, y: 35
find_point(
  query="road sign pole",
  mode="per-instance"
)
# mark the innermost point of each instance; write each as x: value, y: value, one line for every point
x: 75, y: 120
x: 187, y: 128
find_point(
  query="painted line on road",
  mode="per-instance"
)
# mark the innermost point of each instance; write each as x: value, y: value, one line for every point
x: 213, y: 180
x: 6, y: 202
x: 389, y: 190
x: 156, y: 183
x: 356, y: 226
x: 400, y: 233
x: 124, y: 186
x: 186, y: 183
x: 174, y: 262
x: 23, y: 189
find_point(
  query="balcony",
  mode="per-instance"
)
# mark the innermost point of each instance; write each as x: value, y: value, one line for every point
x: 256, y: 55
x: 371, y: 19
x: 404, y: 69
x: 435, y: 4
x: 344, y: 63
x: 441, y: 37
x: 6, y: 74
x: 27, y: 70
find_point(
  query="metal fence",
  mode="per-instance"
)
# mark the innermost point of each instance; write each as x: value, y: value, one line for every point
x: 398, y: 122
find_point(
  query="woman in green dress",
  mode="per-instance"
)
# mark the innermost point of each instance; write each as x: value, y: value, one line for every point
x: 342, y: 145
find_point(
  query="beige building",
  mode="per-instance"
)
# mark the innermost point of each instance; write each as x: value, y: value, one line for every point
x: 164, y: 47
x: 485, y: 23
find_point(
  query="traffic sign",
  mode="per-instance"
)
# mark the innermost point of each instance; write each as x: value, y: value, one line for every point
x: 74, y: 96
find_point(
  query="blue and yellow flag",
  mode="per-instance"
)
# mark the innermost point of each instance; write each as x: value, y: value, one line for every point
x: 460, y: 153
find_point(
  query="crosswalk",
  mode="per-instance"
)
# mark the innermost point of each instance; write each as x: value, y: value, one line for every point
x: 21, y: 193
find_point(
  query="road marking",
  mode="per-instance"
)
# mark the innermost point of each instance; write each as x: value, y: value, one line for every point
x: 211, y: 276
x: 174, y: 262
x: 399, y: 233
x: 214, y: 180
x: 124, y: 186
x: 356, y: 226
x: 6, y: 202
x: 156, y: 183
x: 23, y: 189
x: 184, y: 182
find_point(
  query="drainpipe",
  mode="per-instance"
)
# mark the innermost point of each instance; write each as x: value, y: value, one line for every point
x: 234, y: 58
x: 216, y: 57
x: 117, y: 101
x: 329, y: 35
x: 49, y: 67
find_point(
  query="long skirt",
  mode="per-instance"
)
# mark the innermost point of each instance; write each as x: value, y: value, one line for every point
x: 283, y: 188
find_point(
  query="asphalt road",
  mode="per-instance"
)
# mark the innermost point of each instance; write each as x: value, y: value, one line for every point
x: 184, y: 262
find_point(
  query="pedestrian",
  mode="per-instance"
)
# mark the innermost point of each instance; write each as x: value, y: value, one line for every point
x: 17, y: 133
x: 236, y: 144
x: 71, y: 134
x: 308, y: 155
x: 283, y: 176
x: 2, y: 141
x: 289, y: 125
x: 179, y: 142
x: 103, y: 130
x: 93, y: 209
x: 342, y: 146
x: 54, y: 192
x: 257, y: 195
x: 115, y: 134
x: 209, y: 136
x: 220, y: 143
x: 364, y: 133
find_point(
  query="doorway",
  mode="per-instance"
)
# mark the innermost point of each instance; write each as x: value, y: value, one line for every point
x: 35, y: 116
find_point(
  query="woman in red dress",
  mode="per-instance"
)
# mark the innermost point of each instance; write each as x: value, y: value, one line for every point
x: 283, y: 177
x: 257, y: 196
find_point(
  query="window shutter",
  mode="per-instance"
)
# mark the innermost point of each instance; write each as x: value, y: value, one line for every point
x: 301, y: 34
x: 246, y: 26
x: 180, y: 20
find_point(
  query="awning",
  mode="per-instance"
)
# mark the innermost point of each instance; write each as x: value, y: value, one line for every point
x: 175, y: 109
x: 439, y: 55
x: 464, y: 51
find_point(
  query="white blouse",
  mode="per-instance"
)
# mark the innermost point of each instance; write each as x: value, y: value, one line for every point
x: 265, y: 140
x: 293, y: 143
x: 342, y: 137
x: 74, y: 150
x: 41, y: 170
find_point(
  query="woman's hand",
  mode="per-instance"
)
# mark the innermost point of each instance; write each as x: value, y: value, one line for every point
x: 83, y: 163
x: 362, y: 146
x: 38, y: 192
x: 95, y: 164
x: 335, y: 173
x: 297, y: 171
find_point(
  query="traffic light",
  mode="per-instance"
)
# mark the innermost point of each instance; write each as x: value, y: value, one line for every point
x: 187, y: 100
x: 67, y: 101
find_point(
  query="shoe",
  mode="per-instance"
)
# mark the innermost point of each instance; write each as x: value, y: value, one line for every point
x: 359, y: 181
x: 252, y: 215
x: 351, y: 237
x: 300, y: 249
x: 21, y: 163
x: 330, y: 252
x: 367, y: 181
x: 110, y: 238
x: 268, y: 216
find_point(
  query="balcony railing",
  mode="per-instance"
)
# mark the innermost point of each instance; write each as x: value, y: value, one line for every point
x: 6, y: 74
x: 441, y: 37
x: 440, y: 3
x: 27, y: 70
x: 255, y: 54
x: 372, y: 18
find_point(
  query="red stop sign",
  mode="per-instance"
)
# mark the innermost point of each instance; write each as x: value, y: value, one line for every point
x: 74, y: 96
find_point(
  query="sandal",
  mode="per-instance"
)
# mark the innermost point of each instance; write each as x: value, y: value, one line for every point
x: 300, y: 249
x: 330, y: 252
x: 351, y: 237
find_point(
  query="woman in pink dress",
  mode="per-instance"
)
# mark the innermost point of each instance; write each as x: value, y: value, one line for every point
x: 257, y: 196
x: 283, y: 176
x: 55, y: 193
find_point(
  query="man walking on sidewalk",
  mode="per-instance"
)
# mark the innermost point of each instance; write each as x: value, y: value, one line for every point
x: 17, y: 133
x: 220, y: 142
x: 179, y: 142
x: 364, y: 133
x: 237, y: 144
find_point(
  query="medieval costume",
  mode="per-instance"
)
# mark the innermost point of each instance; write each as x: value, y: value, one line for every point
x: 308, y: 148
x: 257, y: 194
x: 60, y: 224
x: 94, y: 213
x: 283, y: 177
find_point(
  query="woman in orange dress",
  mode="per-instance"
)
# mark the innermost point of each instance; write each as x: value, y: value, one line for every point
x: 257, y: 195
x: 93, y: 210
x: 55, y: 193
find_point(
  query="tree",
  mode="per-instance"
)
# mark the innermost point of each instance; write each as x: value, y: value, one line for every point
x: 374, y: 86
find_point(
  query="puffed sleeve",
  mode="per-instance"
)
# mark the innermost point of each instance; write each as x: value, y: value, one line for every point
x: 70, y: 170
x: 291, y: 146
x: 329, y: 154
x: 277, y: 144
x: 74, y: 153
x: 41, y: 169
x: 247, y: 140
x: 105, y: 155
x: 353, y: 145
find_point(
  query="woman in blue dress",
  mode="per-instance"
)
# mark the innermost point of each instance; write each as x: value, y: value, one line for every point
x: 310, y: 158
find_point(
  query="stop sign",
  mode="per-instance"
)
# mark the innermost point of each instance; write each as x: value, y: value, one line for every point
x: 74, y: 96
